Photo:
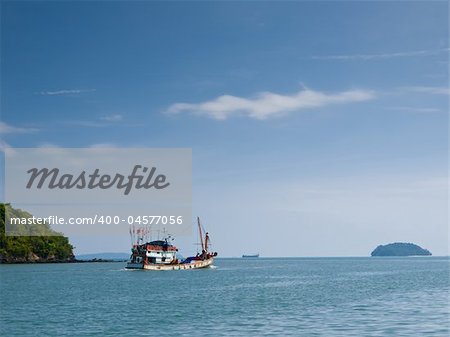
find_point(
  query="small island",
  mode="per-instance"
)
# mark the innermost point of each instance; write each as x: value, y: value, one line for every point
x: 400, y: 249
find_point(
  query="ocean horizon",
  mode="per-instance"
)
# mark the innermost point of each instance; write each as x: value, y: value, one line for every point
x: 284, y: 257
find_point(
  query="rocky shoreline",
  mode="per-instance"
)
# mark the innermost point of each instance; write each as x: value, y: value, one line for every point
x: 34, y: 259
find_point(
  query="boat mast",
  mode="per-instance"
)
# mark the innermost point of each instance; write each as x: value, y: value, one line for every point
x: 200, y: 233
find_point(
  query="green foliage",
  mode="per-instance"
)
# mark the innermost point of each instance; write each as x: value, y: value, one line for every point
x: 36, y: 242
x: 400, y: 249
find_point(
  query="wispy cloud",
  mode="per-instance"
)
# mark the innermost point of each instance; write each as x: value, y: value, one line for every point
x: 46, y: 145
x: 267, y: 104
x: 97, y: 123
x: 92, y: 146
x: 85, y: 123
x: 63, y: 92
x: 414, y: 109
x: 103, y: 146
x: 112, y: 118
x: 6, y: 128
x: 430, y: 90
x: 4, y: 147
x: 380, y: 56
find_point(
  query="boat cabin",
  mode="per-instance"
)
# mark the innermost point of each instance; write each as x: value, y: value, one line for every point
x: 160, y: 252
x: 154, y: 252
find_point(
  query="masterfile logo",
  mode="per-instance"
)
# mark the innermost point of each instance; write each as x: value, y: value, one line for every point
x: 96, y: 180
x: 101, y: 190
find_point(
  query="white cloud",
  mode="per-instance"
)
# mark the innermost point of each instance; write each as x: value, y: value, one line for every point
x: 5, y: 128
x: 65, y: 92
x: 112, y: 118
x: 368, y: 57
x: 430, y: 90
x: 267, y: 104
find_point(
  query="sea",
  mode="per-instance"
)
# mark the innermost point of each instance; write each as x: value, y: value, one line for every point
x: 406, y: 296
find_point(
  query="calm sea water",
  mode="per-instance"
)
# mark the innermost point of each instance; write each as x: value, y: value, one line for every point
x: 279, y: 297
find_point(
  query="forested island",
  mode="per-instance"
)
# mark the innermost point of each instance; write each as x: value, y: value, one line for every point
x: 44, y: 245
x: 400, y: 249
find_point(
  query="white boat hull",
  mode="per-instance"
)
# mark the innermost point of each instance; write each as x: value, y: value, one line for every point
x: 195, y: 264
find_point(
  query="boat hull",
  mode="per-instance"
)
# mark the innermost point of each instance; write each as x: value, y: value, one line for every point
x: 179, y: 266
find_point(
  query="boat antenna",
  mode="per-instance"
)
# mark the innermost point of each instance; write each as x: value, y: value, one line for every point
x: 131, y: 235
x: 200, y: 233
x: 207, y: 241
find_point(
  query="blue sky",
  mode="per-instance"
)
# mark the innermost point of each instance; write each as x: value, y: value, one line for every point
x: 323, y: 124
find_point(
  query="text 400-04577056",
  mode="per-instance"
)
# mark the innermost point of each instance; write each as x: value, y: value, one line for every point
x: 139, y: 219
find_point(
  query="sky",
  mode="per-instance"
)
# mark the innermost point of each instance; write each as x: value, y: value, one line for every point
x: 317, y: 128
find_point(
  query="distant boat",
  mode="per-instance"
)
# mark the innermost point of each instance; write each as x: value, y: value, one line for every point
x: 247, y: 256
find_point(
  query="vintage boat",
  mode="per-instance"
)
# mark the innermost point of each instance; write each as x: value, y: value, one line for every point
x: 162, y: 255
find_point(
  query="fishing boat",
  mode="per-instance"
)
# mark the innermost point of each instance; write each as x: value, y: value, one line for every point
x: 162, y: 255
